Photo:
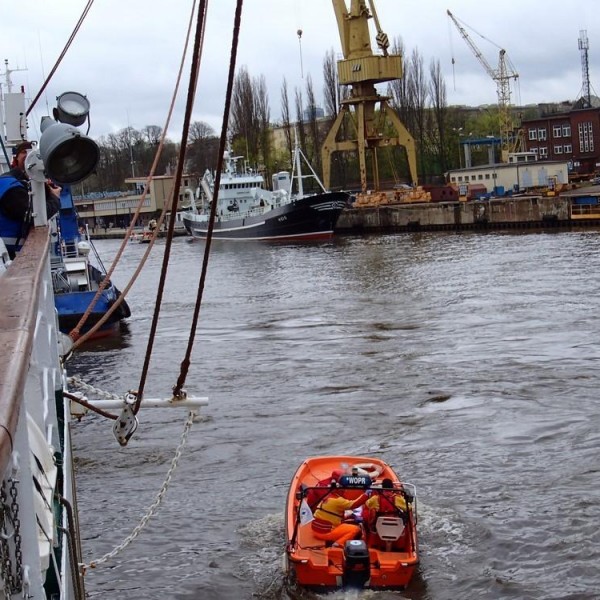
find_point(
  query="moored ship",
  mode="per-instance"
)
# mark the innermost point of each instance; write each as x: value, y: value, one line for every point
x: 247, y: 211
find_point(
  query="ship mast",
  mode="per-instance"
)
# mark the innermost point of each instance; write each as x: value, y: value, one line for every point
x: 13, y: 125
x: 7, y: 73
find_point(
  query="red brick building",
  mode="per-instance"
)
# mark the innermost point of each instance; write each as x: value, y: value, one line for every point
x: 572, y: 136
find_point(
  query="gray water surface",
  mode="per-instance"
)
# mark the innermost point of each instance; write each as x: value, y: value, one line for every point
x: 467, y: 361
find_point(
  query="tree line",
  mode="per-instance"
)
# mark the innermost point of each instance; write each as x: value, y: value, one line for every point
x: 419, y: 98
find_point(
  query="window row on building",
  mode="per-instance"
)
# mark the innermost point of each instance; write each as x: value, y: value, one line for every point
x: 472, y: 178
x: 572, y: 135
x: 541, y: 134
x: 542, y: 151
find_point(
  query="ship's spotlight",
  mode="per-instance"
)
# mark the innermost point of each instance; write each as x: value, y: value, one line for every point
x: 72, y: 108
x: 69, y: 156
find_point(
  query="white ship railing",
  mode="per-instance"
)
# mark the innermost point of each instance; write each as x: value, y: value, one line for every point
x: 37, y: 518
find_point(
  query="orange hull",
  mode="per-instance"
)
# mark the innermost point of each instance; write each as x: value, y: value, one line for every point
x: 317, y: 565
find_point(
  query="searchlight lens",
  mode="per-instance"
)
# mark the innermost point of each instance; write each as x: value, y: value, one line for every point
x: 72, y: 108
x: 69, y: 156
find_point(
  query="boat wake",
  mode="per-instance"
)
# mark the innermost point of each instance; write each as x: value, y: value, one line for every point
x: 266, y: 537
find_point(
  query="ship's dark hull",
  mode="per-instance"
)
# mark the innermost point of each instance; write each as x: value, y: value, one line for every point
x: 310, y: 218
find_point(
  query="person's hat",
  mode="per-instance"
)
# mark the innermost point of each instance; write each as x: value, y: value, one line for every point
x: 25, y: 145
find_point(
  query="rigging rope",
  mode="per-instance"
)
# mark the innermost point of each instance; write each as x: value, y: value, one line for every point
x: 90, y: 406
x: 74, y: 334
x: 185, y: 364
x: 84, y: 14
x: 195, y: 66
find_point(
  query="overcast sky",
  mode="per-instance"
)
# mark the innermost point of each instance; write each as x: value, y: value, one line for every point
x: 126, y: 56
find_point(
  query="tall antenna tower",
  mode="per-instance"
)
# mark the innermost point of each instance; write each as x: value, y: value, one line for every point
x: 584, y: 46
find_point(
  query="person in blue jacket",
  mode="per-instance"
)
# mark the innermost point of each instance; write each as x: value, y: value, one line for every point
x: 15, y: 203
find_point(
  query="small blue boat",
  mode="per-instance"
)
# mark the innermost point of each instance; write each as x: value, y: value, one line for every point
x: 77, y: 273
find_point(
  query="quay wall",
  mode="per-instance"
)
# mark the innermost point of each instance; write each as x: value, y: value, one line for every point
x: 505, y: 213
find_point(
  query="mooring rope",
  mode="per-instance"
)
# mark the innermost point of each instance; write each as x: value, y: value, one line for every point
x: 75, y: 332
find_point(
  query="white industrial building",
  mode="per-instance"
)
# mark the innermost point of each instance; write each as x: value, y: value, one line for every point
x: 522, y: 172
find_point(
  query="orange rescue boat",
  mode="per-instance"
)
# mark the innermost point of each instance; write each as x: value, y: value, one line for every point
x: 384, y: 553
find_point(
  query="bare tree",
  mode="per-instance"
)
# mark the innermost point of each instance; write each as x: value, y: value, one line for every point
x: 202, y: 150
x: 152, y: 134
x: 250, y: 115
x: 199, y: 130
x: 334, y: 94
x: 243, y: 113
x: 398, y: 89
x: 263, y: 117
x: 439, y: 107
x: 331, y: 87
x: 314, y: 136
x: 417, y: 104
x: 286, y: 121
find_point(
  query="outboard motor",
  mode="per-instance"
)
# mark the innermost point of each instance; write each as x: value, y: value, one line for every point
x: 357, y: 567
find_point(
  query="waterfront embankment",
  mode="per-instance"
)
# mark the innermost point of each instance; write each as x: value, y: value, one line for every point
x: 497, y: 213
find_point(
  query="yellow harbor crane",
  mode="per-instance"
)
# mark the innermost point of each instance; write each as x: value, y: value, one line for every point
x: 362, y: 69
x: 502, y: 75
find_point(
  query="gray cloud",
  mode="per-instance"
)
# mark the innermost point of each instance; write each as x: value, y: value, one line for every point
x: 126, y: 56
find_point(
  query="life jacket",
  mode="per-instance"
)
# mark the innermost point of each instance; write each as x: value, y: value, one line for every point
x: 12, y: 232
x: 387, y: 505
x: 320, y: 522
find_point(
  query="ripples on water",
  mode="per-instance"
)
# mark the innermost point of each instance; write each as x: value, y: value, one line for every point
x: 467, y: 361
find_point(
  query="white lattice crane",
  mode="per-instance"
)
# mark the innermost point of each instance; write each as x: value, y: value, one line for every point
x: 502, y: 75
